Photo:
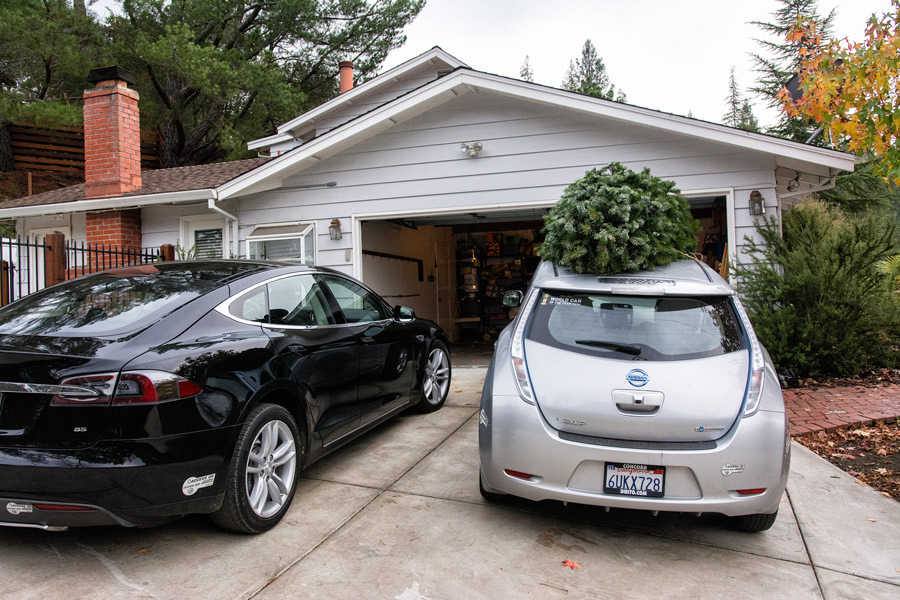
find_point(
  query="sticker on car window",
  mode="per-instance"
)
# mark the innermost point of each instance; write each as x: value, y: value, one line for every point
x: 192, y: 484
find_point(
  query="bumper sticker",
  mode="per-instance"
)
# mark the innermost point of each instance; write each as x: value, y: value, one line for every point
x: 730, y: 469
x: 15, y: 509
x: 192, y: 484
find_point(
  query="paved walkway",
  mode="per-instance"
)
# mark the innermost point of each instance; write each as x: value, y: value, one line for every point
x: 829, y: 408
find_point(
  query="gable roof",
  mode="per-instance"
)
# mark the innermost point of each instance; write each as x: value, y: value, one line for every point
x: 464, y: 80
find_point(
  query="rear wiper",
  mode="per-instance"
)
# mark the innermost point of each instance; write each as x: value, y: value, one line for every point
x: 632, y: 349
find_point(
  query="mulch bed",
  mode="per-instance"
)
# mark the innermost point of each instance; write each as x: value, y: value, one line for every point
x: 871, y: 454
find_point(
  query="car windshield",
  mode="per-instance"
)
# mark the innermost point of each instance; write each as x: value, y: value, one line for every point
x: 637, y: 327
x: 115, y: 302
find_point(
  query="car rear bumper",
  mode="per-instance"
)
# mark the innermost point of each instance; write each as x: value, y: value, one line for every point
x: 754, y: 454
x: 126, y: 482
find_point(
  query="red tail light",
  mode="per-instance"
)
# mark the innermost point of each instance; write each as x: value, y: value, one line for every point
x: 129, y: 387
x: 518, y: 474
x: 62, y: 507
x: 751, y: 492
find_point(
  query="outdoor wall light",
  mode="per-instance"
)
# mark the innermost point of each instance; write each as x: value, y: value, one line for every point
x: 334, y: 230
x: 471, y: 149
x: 794, y: 184
x: 757, y: 204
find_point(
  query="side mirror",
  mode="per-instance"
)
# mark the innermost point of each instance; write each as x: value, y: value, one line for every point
x: 404, y: 313
x: 512, y: 298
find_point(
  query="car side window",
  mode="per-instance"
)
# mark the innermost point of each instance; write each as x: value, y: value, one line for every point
x: 357, y: 303
x: 251, y: 306
x: 298, y: 300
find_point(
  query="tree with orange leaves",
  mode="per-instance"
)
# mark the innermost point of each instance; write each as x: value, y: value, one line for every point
x: 853, y: 89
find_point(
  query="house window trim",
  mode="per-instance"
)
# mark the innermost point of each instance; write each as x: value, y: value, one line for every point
x: 186, y: 222
x: 307, y: 227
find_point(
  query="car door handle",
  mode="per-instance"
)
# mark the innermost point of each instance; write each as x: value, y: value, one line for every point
x: 638, y: 402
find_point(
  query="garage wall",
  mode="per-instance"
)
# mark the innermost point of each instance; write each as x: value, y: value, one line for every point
x: 530, y: 153
x: 393, y: 278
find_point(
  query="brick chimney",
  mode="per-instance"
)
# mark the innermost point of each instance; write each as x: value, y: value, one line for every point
x: 112, y: 155
x: 112, y: 137
x: 346, y: 75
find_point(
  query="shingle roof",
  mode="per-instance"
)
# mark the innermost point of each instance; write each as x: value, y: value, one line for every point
x: 159, y: 181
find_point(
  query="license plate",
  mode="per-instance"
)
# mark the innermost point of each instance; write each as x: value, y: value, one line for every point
x: 629, y: 479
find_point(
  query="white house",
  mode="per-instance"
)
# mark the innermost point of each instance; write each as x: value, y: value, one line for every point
x: 438, y: 176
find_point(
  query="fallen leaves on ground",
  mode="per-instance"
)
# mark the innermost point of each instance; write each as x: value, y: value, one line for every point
x: 869, y: 453
x: 571, y: 564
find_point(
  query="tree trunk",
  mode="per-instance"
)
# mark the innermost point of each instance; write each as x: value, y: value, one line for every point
x: 79, y: 7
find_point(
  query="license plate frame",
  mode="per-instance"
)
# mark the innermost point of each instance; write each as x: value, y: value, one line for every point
x: 640, y: 479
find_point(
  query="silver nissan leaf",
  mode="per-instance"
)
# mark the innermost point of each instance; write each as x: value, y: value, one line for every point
x: 645, y: 391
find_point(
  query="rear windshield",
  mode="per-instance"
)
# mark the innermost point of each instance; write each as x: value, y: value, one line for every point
x: 637, y: 327
x: 115, y: 302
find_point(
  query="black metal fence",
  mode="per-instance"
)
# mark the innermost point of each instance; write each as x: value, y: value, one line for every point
x: 31, y: 264
x: 89, y: 258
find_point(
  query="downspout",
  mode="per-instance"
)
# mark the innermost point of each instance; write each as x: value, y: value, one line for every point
x: 211, y: 204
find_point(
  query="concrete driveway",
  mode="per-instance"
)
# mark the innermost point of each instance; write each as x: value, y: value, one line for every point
x: 397, y: 514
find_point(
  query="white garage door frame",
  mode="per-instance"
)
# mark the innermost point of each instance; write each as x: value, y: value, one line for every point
x: 358, y: 218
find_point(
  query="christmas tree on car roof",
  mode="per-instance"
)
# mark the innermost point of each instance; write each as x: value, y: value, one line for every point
x: 614, y: 220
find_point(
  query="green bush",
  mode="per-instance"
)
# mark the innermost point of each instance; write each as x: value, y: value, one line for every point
x: 614, y: 220
x: 815, y: 295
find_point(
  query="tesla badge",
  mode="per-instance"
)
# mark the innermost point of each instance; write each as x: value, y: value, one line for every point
x: 637, y: 377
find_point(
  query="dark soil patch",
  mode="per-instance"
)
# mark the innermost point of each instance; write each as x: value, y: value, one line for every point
x: 871, y: 454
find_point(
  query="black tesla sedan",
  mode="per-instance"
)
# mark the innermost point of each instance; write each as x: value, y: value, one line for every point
x: 140, y: 394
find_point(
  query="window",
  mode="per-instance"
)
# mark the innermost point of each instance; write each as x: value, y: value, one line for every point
x: 292, y: 301
x: 357, y: 303
x: 283, y: 242
x: 626, y: 327
x: 203, y: 237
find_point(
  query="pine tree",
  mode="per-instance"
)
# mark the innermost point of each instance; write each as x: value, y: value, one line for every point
x: 587, y: 75
x: 779, y: 60
x: 732, y: 116
x: 526, y: 73
x: 747, y: 120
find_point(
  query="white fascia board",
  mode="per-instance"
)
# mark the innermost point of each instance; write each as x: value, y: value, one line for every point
x: 269, y: 141
x: 350, y: 96
x: 95, y: 204
x: 667, y: 121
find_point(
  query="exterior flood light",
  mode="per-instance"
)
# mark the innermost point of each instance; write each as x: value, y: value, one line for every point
x: 471, y: 149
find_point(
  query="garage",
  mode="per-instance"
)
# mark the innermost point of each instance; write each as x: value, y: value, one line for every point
x: 455, y: 267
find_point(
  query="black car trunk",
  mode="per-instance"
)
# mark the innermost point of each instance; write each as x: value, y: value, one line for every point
x: 27, y: 418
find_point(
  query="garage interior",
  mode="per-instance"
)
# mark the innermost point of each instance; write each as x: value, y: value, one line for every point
x: 454, y: 269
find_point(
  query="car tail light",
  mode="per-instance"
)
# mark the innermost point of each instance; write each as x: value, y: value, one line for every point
x: 757, y: 365
x: 751, y: 492
x: 127, y: 388
x: 517, y: 350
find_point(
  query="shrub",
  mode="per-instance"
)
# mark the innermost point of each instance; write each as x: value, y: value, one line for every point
x: 614, y: 220
x: 815, y: 295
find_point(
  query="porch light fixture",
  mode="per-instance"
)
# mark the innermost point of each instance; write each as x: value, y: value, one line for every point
x: 334, y: 230
x: 471, y: 149
x: 757, y: 205
x: 794, y: 184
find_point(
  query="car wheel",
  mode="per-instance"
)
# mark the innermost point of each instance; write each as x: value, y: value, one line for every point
x: 757, y: 522
x: 262, y: 476
x: 489, y: 496
x: 436, y: 379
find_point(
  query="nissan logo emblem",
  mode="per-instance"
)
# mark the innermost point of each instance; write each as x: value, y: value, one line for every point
x: 637, y: 377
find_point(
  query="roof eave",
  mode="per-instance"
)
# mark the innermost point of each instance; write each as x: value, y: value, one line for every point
x: 118, y: 202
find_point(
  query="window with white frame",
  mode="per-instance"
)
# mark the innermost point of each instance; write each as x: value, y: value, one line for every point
x: 296, y: 241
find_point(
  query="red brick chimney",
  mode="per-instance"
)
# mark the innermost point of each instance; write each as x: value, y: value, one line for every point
x: 112, y: 155
x: 112, y: 136
x: 346, y: 75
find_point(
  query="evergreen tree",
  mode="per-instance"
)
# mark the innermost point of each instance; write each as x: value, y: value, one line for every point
x: 747, y: 120
x: 526, y: 73
x: 779, y: 60
x: 732, y: 116
x: 587, y: 75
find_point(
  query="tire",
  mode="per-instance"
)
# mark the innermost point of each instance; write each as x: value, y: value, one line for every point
x: 491, y: 497
x: 435, y: 379
x: 262, y: 475
x: 754, y: 523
